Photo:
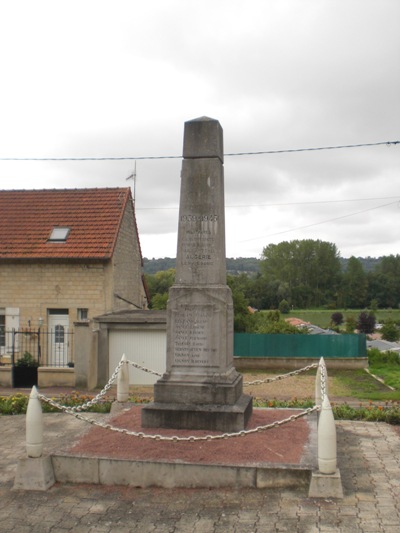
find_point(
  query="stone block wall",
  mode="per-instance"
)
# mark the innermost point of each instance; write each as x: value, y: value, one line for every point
x: 35, y: 288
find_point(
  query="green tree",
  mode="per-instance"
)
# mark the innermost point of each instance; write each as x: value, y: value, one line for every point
x: 159, y: 301
x: 307, y: 272
x: 355, y: 284
x: 241, y: 313
x: 389, y: 270
x: 159, y: 284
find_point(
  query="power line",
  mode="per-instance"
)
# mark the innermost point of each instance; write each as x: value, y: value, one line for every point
x: 318, y: 223
x: 149, y: 158
x: 308, y: 202
x: 338, y: 147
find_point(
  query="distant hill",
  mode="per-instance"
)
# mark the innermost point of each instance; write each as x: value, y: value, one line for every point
x: 234, y: 266
x: 368, y: 263
x: 151, y: 266
x: 245, y: 265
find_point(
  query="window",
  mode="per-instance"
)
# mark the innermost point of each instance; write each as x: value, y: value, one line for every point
x: 9, y: 320
x: 59, y: 234
x: 83, y: 314
x: 59, y: 334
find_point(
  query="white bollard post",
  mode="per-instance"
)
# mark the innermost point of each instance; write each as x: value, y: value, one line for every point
x: 34, y: 425
x: 318, y: 393
x: 123, y: 381
x: 327, y: 455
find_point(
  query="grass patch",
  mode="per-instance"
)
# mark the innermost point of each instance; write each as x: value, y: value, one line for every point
x: 322, y: 317
x: 359, y: 384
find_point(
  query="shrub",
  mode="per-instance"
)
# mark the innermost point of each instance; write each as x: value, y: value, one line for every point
x: 337, y: 318
x: 378, y: 358
x: 390, y: 332
x: 18, y: 403
x: 284, y: 307
x: 27, y: 360
x: 271, y: 322
x: 366, y: 322
x: 351, y: 324
x: 374, y: 305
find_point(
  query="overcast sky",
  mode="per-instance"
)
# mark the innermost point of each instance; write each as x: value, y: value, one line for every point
x: 118, y: 78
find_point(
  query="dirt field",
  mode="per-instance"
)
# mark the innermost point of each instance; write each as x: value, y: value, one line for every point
x: 302, y: 386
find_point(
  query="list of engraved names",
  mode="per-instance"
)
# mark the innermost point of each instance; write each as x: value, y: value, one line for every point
x: 192, y: 340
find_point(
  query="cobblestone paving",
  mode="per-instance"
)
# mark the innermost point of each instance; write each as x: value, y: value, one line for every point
x: 369, y: 461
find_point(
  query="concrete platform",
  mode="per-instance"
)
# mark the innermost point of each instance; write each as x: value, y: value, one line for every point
x: 280, y: 457
x: 368, y: 458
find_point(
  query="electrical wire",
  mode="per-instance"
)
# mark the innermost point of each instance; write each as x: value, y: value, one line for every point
x: 319, y: 223
x: 148, y: 158
x: 283, y: 204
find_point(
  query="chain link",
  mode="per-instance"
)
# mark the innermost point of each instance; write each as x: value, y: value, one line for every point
x: 324, y: 378
x: 281, y: 376
x: 135, y: 365
x: 75, y: 411
x: 89, y: 403
x: 175, y: 438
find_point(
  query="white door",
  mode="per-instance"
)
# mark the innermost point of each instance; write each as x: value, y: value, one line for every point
x: 147, y: 348
x: 58, y: 340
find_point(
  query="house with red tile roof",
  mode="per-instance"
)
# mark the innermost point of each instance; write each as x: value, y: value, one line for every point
x: 66, y: 256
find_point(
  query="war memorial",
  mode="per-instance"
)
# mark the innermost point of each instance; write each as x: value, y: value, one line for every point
x: 200, y: 392
x: 201, y: 388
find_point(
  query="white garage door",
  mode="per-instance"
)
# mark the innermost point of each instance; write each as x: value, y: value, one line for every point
x: 145, y: 347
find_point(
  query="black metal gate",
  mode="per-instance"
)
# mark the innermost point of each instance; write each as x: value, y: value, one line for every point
x: 31, y: 348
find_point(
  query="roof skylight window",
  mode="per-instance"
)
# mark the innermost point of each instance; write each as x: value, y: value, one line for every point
x: 59, y: 234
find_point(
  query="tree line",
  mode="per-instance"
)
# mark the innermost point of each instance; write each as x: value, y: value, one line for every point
x: 304, y: 273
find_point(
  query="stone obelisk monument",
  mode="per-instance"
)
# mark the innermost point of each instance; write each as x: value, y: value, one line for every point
x: 200, y: 388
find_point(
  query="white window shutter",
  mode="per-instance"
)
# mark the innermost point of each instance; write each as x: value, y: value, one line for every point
x: 12, y: 322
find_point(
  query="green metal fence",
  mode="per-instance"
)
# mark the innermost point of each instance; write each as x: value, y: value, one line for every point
x: 279, y: 345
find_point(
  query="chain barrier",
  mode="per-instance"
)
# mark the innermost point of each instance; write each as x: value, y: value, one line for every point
x: 89, y: 403
x: 135, y: 365
x: 281, y: 376
x: 175, y: 438
x: 75, y: 411
x: 323, y: 381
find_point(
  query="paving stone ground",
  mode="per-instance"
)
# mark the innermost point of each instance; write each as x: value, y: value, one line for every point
x: 368, y: 458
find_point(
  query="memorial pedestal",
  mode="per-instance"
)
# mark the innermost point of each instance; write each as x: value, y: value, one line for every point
x: 201, y: 388
x: 212, y: 417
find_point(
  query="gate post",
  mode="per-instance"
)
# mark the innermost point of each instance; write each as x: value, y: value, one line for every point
x: 34, y: 472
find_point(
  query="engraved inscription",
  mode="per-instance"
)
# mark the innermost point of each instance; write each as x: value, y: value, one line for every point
x: 191, y: 335
x: 199, y: 239
x: 199, y: 218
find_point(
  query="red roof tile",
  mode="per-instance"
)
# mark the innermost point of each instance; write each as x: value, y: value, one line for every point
x: 27, y: 219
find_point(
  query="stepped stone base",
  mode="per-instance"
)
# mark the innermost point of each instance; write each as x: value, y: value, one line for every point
x: 226, y: 418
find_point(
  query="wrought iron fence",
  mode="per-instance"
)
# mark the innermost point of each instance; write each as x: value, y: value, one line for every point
x: 54, y: 347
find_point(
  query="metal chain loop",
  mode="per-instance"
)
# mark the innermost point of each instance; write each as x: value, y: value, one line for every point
x: 323, y: 381
x: 89, y: 403
x: 281, y: 376
x: 114, y: 376
x: 74, y: 411
x: 136, y: 365
x: 174, y: 438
